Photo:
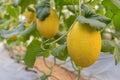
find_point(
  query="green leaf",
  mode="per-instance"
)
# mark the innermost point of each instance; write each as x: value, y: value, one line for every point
x: 108, y: 4
x: 15, y: 31
x: 117, y: 54
x: 116, y: 34
x: 60, y: 52
x: 94, y: 2
x: 69, y: 21
x: 61, y: 41
x: 101, y: 18
x: 14, y: 12
x: 33, y: 50
x: 25, y: 35
x: 95, y: 21
x: 16, y: 3
x: 44, y: 77
x: 116, y: 22
x: 44, y: 53
x: 95, y: 24
x: 11, y: 41
x: 24, y: 3
x: 66, y: 2
x: 107, y: 46
x: 116, y: 2
x: 100, y: 11
x: 43, y: 10
x: 86, y: 11
x: 109, y: 14
x: 72, y: 9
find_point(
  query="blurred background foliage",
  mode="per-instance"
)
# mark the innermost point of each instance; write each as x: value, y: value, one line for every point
x: 12, y: 20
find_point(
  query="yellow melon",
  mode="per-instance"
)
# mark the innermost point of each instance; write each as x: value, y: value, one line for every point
x: 83, y: 44
x: 48, y: 28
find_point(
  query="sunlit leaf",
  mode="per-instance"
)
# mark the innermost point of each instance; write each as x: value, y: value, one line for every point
x: 109, y: 14
x: 116, y: 2
x: 14, y: 12
x: 116, y: 22
x: 108, y: 4
x: 94, y: 2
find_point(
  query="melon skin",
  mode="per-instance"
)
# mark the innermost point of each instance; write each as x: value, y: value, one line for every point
x: 83, y: 44
x: 49, y: 27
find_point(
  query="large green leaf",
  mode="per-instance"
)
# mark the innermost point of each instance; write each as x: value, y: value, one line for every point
x: 60, y: 52
x: 101, y: 18
x: 95, y: 24
x: 95, y: 21
x: 108, y: 4
x: 33, y: 50
x: 88, y: 13
x: 116, y: 22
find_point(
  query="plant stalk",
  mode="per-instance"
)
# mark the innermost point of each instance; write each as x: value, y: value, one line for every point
x: 78, y: 73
